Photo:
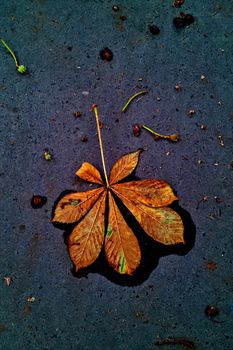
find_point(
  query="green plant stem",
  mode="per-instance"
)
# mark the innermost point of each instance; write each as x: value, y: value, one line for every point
x: 95, y: 110
x: 11, y: 52
x: 154, y: 132
x: 132, y: 98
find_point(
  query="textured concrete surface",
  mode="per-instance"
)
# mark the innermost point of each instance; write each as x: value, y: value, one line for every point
x: 60, y: 43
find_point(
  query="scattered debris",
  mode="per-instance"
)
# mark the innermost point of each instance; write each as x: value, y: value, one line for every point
x: 84, y: 138
x: 202, y: 77
x: 106, y: 54
x: 47, y: 155
x: 176, y: 341
x: 203, y: 127
x: 132, y: 98
x: 136, y: 130
x: 85, y: 93
x: 31, y: 299
x: 20, y: 68
x: 157, y: 136
x: 178, y: 87
x: 38, y: 201
x: 77, y: 114
x: 158, y: 98
x: 8, y: 280
x: 154, y: 29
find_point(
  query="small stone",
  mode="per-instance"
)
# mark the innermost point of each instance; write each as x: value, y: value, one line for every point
x: 115, y: 8
x: 191, y: 112
x: 178, y: 87
x: 203, y: 127
x: 77, y: 114
x: 158, y: 98
x: 31, y: 299
x: 85, y: 93
x: 202, y: 77
x: 8, y: 280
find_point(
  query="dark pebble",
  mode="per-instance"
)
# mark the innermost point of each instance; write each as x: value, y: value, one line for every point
x: 154, y: 29
x: 106, y: 54
x: 38, y: 201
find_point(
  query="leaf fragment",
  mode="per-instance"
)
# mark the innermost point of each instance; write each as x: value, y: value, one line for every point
x: 162, y: 224
x: 72, y: 207
x: 154, y: 193
x: 89, y: 173
x: 87, y: 238
x: 121, y: 246
x: 124, y: 167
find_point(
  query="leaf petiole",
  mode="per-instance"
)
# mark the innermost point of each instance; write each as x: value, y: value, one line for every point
x: 20, y: 68
x: 173, y: 137
x: 95, y: 110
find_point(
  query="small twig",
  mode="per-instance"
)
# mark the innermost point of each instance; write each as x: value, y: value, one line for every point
x: 132, y: 98
x: 95, y: 110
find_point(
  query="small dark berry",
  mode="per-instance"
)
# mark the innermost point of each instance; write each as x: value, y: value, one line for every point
x: 188, y: 19
x: 115, y: 8
x: 106, y: 54
x: 38, y: 201
x: 211, y: 311
x: 154, y: 29
x: 179, y: 22
x: 136, y: 130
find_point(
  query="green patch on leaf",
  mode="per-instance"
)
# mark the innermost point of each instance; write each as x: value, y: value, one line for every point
x: 109, y: 232
x: 74, y: 202
x: 122, y: 264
